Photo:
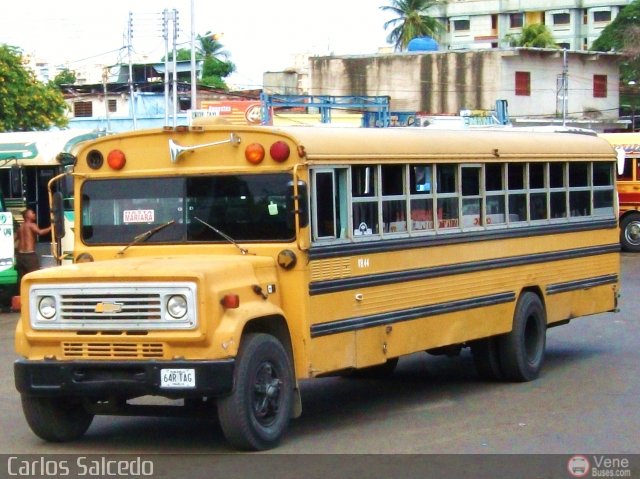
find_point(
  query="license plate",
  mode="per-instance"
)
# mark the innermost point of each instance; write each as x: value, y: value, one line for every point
x: 178, y: 378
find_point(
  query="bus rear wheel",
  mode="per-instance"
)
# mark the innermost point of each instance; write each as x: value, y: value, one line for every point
x: 522, y: 350
x: 256, y: 414
x: 56, y: 419
x: 630, y: 233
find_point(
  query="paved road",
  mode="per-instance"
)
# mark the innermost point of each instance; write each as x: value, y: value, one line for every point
x: 586, y: 401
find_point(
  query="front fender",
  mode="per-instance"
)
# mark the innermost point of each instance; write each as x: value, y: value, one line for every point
x: 226, y: 337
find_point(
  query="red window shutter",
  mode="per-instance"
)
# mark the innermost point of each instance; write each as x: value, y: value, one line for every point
x: 523, y: 83
x: 600, y: 86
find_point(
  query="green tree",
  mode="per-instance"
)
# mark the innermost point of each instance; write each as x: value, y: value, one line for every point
x: 623, y: 35
x: 26, y: 104
x: 216, y: 64
x: 182, y: 55
x: 412, y: 21
x: 65, y: 77
x: 536, y: 35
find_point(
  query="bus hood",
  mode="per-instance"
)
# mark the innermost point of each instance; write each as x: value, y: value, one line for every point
x: 177, y: 268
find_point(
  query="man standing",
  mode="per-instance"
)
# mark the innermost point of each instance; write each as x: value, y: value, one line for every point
x: 26, y: 256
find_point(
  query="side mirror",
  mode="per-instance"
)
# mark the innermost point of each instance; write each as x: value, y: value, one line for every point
x: 57, y: 213
x: 621, y: 155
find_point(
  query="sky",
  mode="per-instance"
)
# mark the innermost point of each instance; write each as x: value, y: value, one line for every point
x: 260, y: 35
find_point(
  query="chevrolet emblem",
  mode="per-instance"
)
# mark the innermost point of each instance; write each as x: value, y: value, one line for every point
x: 108, y: 308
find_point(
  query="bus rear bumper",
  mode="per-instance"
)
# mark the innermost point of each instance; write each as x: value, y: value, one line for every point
x: 107, y: 379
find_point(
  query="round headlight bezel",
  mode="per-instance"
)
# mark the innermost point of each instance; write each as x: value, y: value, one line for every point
x: 177, y: 306
x: 47, y: 307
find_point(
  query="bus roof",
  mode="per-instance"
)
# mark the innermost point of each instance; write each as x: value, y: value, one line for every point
x: 352, y: 143
x: 336, y: 144
x: 40, y: 147
x: 629, y: 142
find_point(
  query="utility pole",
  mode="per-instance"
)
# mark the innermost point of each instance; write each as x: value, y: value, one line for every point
x: 105, y: 79
x: 565, y: 86
x: 165, y: 35
x: 170, y: 65
x: 194, y: 86
x: 175, y: 68
x: 132, y: 97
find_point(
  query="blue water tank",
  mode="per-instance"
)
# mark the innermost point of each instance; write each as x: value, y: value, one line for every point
x: 423, y: 44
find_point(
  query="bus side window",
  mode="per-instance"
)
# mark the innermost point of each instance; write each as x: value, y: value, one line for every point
x: 447, y: 194
x: 517, y: 192
x: 365, y: 200
x: 329, y: 212
x: 495, y: 192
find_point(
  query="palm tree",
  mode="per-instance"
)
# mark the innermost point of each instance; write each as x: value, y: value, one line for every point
x: 412, y: 21
x: 210, y: 46
x: 216, y: 64
x: 536, y: 35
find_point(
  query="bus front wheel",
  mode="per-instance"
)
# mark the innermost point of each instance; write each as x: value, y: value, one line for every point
x: 256, y: 414
x: 521, y: 351
x: 630, y: 233
x: 56, y: 419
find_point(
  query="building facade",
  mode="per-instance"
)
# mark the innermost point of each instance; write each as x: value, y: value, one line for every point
x: 531, y: 80
x: 481, y: 24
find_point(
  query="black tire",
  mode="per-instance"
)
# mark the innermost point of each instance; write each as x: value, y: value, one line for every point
x: 257, y: 413
x: 630, y: 233
x: 486, y: 359
x: 383, y: 370
x: 56, y: 419
x: 521, y: 351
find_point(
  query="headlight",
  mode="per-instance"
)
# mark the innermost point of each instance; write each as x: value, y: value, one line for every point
x: 177, y: 306
x: 47, y: 307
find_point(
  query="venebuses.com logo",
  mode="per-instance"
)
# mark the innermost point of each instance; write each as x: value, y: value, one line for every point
x: 598, y: 466
x: 578, y: 466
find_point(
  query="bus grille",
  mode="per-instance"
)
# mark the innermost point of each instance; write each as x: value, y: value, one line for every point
x: 76, y: 350
x: 111, y: 307
x: 115, y: 307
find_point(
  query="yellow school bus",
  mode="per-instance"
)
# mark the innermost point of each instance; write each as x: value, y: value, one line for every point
x: 219, y: 266
x: 628, y: 183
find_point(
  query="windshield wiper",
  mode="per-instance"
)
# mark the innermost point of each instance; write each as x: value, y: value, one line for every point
x: 224, y: 235
x: 142, y: 237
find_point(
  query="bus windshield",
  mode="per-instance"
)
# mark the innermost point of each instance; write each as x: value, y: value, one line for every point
x: 244, y: 207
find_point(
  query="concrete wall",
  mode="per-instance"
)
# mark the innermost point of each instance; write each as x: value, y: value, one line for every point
x: 446, y: 82
x: 436, y: 83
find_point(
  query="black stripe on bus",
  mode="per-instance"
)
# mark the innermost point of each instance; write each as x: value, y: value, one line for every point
x: 582, y: 284
x: 398, y: 244
x: 392, y: 317
x: 344, y: 284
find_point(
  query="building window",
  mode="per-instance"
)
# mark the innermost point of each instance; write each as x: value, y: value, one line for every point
x: 461, y: 25
x: 600, y: 86
x: 523, y: 83
x: 82, y: 108
x: 561, y: 18
x: 494, y: 22
x: 113, y: 106
x: 602, y: 16
x: 516, y: 20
